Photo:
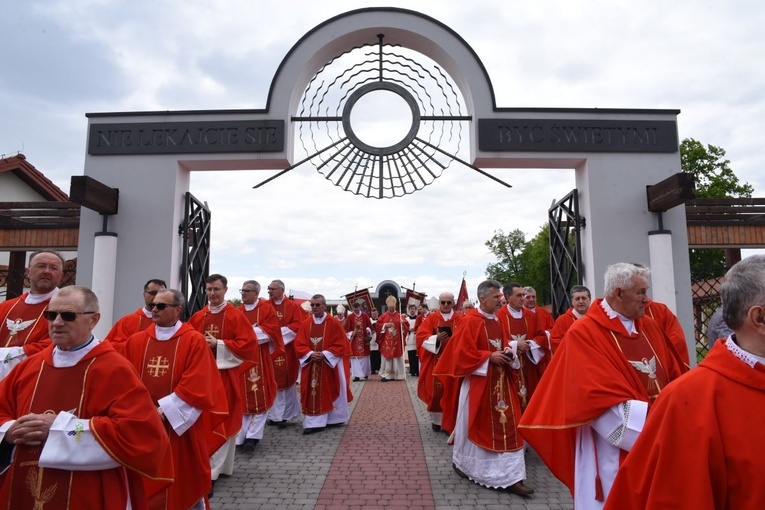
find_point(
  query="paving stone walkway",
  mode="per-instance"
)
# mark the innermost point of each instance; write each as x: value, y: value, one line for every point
x: 387, y: 457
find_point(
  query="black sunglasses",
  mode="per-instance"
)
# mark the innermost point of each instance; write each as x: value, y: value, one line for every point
x: 447, y: 302
x: 160, y: 306
x: 50, y: 315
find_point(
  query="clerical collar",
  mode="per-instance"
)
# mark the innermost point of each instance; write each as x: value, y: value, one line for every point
x: 251, y: 306
x: 745, y: 356
x: 532, y: 310
x: 146, y: 312
x: 487, y: 315
x: 517, y: 314
x: 357, y: 314
x: 278, y: 301
x: 36, y: 299
x: 447, y: 316
x: 64, y: 359
x: 217, y: 309
x: 167, y: 332
x: 577, y: 314
x: 629, y: 324
x: 319, y: 320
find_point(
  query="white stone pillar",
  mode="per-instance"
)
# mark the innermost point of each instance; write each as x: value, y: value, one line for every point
x: 104, y: 276
x: 662, y: 268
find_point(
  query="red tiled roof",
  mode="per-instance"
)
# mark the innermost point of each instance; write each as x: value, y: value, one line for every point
x: 33, y: 178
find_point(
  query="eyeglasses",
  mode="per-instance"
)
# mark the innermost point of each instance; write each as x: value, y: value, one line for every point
x: 245, y: 291
x: 50, y: 315
x: 314, y: 305
x: 151, y: 292
x: 271, y: 288
x: 160, y: 306
x: 447, y: 302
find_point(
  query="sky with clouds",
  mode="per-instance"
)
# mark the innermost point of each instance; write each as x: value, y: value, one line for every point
x: 63, y: 59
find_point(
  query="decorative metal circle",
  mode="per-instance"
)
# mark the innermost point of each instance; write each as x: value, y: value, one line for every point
x: 390, y: 87
x: 328, y: 139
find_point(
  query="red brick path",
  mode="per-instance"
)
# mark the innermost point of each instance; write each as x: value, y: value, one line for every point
x: 380, y: 462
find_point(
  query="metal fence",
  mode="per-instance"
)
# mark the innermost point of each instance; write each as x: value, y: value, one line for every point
x: 705, y: 290
x: 69, y: 278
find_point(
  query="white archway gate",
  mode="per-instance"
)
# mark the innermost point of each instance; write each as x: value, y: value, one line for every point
x: 615, y: 154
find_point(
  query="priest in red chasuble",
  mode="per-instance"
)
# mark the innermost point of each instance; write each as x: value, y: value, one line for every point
x: 286, y: 367
x: 259, y: 382
x: 524, y: 328
x: 392, y: 329
x: 138, y: 320
x: 433, y: 335
x: 580, y: 302
x: 703, y: 445
x: 594, y: 398
x: 358, y: 327
x: 230, y: 336
x: 78, y: 429
x: 321, y: 346
x: 175, y: 363
x: 487, y: 447
x: 23, y: 329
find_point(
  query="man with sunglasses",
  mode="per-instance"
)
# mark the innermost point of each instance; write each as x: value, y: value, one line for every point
x: 259, y: 382
x: 322, y: 347
x: 175, y: 363
x: 23, y: 330
x: 235, y: 347
x: 432, y: 337
x: 138, y: 320
x: 78, y: 429
x: 286, y: 405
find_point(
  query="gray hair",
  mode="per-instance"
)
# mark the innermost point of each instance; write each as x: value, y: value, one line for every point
x: 485, y: 286
x: 89, y: 299
x: 255, y: 284
x: 744, y: 287
x: 620, y: 275
x: 529, y: 289
x: 319, y: 296
x: 279, y: 284
x: 178, y: 298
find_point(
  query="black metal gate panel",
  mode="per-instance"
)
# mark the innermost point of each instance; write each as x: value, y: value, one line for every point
x: 195, y: 268
x: 565, y: 250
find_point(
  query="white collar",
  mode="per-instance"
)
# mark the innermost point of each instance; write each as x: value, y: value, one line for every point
x: 167, y: 332
x: 629, y: 324
x: 251, y: 306
x: 65, y: 359
x: 577, y: 314
x: 319, y: 320
x: 745, y: 356
x: 36, y: 299
x: 217, y: 309
x: 447, y: 317
x: 516, y: 314
x: 487, y: 315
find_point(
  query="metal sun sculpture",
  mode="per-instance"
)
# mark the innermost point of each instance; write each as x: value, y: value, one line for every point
x: 336, y: 145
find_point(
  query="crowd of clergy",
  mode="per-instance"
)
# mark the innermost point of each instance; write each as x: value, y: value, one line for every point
x: 604, y: 394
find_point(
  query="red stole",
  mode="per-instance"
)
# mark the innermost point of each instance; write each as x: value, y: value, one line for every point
x: 320, y: 384
x: 259, y: 382
x: 494, y: 406
x: 357, y: 325
x: 390, y: 340
x: 286, y: 364
x: 648, y: 366
x: 528, y: 375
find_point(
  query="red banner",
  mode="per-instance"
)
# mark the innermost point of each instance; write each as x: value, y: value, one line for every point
x: 462, y: 296
x: 363, y: 297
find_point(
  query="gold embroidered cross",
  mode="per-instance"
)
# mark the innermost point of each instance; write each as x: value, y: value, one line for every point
x: 158, y: 366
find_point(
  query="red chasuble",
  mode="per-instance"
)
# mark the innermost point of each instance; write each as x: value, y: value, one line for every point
x: 430, y: 389
x: 358, y: 326
x: 103, y: 388
x: 319, y: 382
x: 544, y: 318
x: 231, y: 326
x: 596, y: 367
x: 23, y: 325
x: 391, y: 341
x: 494, y: 406
x: 127, y: 326
x: 703, y: 445
x: 185, y: 366
x: 671, y: 326
x: 286, y: 364
x: 526, y: 328
x: 562, y: 324
x: 259, y: 382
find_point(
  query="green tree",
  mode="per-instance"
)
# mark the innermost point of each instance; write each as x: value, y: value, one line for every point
x: 714, y: 179
x: 507, y: 248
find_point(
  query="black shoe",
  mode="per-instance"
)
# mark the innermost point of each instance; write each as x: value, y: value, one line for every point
x: 356, y: 379
x: 271, y: 422
x: 366, y: 377
x: 458, y: 471
x: 212, y: 490
x: 312, y: 430
x: 249, y: 445
x: 335, y: 424
x: 436, y: 428
x: 383, y: 379
x: 282, y: 424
